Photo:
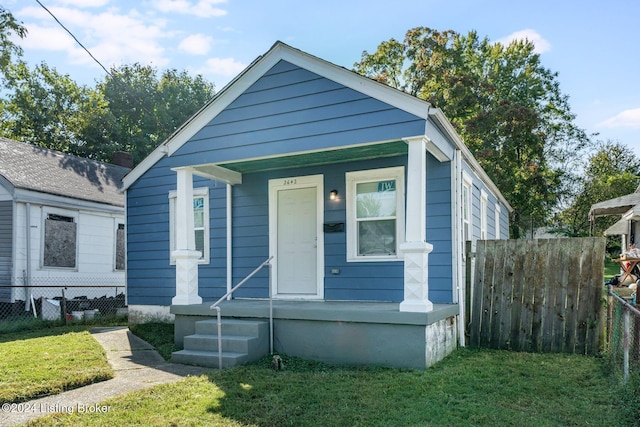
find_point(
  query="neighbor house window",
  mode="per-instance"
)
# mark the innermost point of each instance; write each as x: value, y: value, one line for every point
x: 60, y: 241
x: 497, y: 221
x: 466, y: 206
x: 375, y: 214
x: 120, y: 247
x: 484, y: 201
x: 200, y: 222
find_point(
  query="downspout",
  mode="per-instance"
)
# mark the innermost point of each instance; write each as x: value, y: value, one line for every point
x: 229, y: 224
x: 458, y: 251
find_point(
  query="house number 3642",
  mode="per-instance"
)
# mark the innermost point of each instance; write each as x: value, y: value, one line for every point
x: 290, y: 182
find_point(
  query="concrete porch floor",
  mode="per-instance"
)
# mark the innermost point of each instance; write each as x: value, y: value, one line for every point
x: 345, y: 311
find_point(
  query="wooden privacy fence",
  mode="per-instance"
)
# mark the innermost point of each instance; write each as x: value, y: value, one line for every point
x: 542, y: 295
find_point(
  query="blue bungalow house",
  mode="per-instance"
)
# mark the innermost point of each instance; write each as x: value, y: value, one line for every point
x: 357, y: 198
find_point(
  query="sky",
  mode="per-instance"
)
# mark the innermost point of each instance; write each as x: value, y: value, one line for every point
x: 593, y: 46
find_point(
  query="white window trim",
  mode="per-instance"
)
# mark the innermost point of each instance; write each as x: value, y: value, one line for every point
x: 197, y: 192
x: 497, y: 213
x: 353, y: 178
x: 467, y: 183
x: 484, y: 202
x: 46, y: 210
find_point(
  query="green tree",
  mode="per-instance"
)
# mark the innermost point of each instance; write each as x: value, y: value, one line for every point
x: 45, y: 108
x: 505, y: 105
x: 613, y: 171
x: 144, y: 108
x: 8, y: 49
x: 134, y: 109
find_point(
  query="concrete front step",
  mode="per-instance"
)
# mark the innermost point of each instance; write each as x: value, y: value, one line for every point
x: 243, y: 341
x: 234, y: 343
x: 251, y: 328
x: 208, y: 359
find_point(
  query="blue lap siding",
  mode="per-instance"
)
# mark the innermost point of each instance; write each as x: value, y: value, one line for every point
x: 287, y: 110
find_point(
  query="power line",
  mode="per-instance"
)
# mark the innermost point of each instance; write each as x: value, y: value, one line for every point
x: 118, y: 81
x: 76, y: 39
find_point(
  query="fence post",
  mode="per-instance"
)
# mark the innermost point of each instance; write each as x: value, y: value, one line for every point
x: 468, y: 288
x: 626, y: 344
x: 64, y: 308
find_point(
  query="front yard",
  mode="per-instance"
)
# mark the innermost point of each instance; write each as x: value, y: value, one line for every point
x: 470, y: 387
x: 483, y: 388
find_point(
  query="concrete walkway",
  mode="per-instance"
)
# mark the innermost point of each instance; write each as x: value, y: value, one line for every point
x: 136, y: 364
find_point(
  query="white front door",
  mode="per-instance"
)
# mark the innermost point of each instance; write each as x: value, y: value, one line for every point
x: 296, y: 239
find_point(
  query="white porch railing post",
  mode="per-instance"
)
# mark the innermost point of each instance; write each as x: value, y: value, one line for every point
x: 415, y: 249
x: 185, y: 254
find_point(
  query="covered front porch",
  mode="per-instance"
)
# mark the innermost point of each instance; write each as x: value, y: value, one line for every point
x: 302, y: 219
x: 340, y: 332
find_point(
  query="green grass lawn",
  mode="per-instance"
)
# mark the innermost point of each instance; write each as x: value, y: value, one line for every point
x: 610, y: 269
x: 158, y: 334
x: 470, y: 387
x: 49, y: 361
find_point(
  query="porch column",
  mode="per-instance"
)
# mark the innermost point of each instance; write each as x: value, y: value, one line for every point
x: 185, y: 254
x: 415, y: 248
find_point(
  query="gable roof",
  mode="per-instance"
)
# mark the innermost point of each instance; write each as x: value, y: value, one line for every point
x: 27, y: 167
x: 348, y: 78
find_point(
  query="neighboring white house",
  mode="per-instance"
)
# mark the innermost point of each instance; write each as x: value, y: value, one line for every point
x: 628, y: 207
x: 61, y: 222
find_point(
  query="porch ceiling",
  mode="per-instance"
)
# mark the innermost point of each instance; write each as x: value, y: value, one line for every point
x: 389, y: 149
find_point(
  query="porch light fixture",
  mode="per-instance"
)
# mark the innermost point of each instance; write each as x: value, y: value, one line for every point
x: 333, y: 194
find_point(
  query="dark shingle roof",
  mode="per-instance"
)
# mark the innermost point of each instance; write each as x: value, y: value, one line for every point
x: 29, y: 167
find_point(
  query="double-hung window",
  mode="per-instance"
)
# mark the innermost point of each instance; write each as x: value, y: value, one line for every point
x: 466, y: 206
x: 375, y: 214
x: 484, y: 201
x: 200, y: 222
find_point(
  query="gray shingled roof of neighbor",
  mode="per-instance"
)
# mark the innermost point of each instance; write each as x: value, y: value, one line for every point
x: 28, y: 167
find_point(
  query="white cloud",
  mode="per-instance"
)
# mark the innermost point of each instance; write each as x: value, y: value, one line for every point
x: 112, y: 38
x: 219, y: 70
x: 196, y: 44
x: 201, y: 8
x: 627, y: 118
x: 85, y: 3
x: 227, y: 67
x: 540, y: 43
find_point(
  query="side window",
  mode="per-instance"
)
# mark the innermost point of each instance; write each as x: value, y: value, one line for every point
x: 60, y: 241
x: 484, y: 201
x: 375, y: 214
x: 466, y: 207
x: 120, y: 247
x: 497, y: 221
x: 200, y: 222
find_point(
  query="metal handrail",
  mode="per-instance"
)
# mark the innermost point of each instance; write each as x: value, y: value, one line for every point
x: 215, y: 306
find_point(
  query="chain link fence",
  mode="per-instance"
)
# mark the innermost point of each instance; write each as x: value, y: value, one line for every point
x: 62, y: 299
x: 623, y: 334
